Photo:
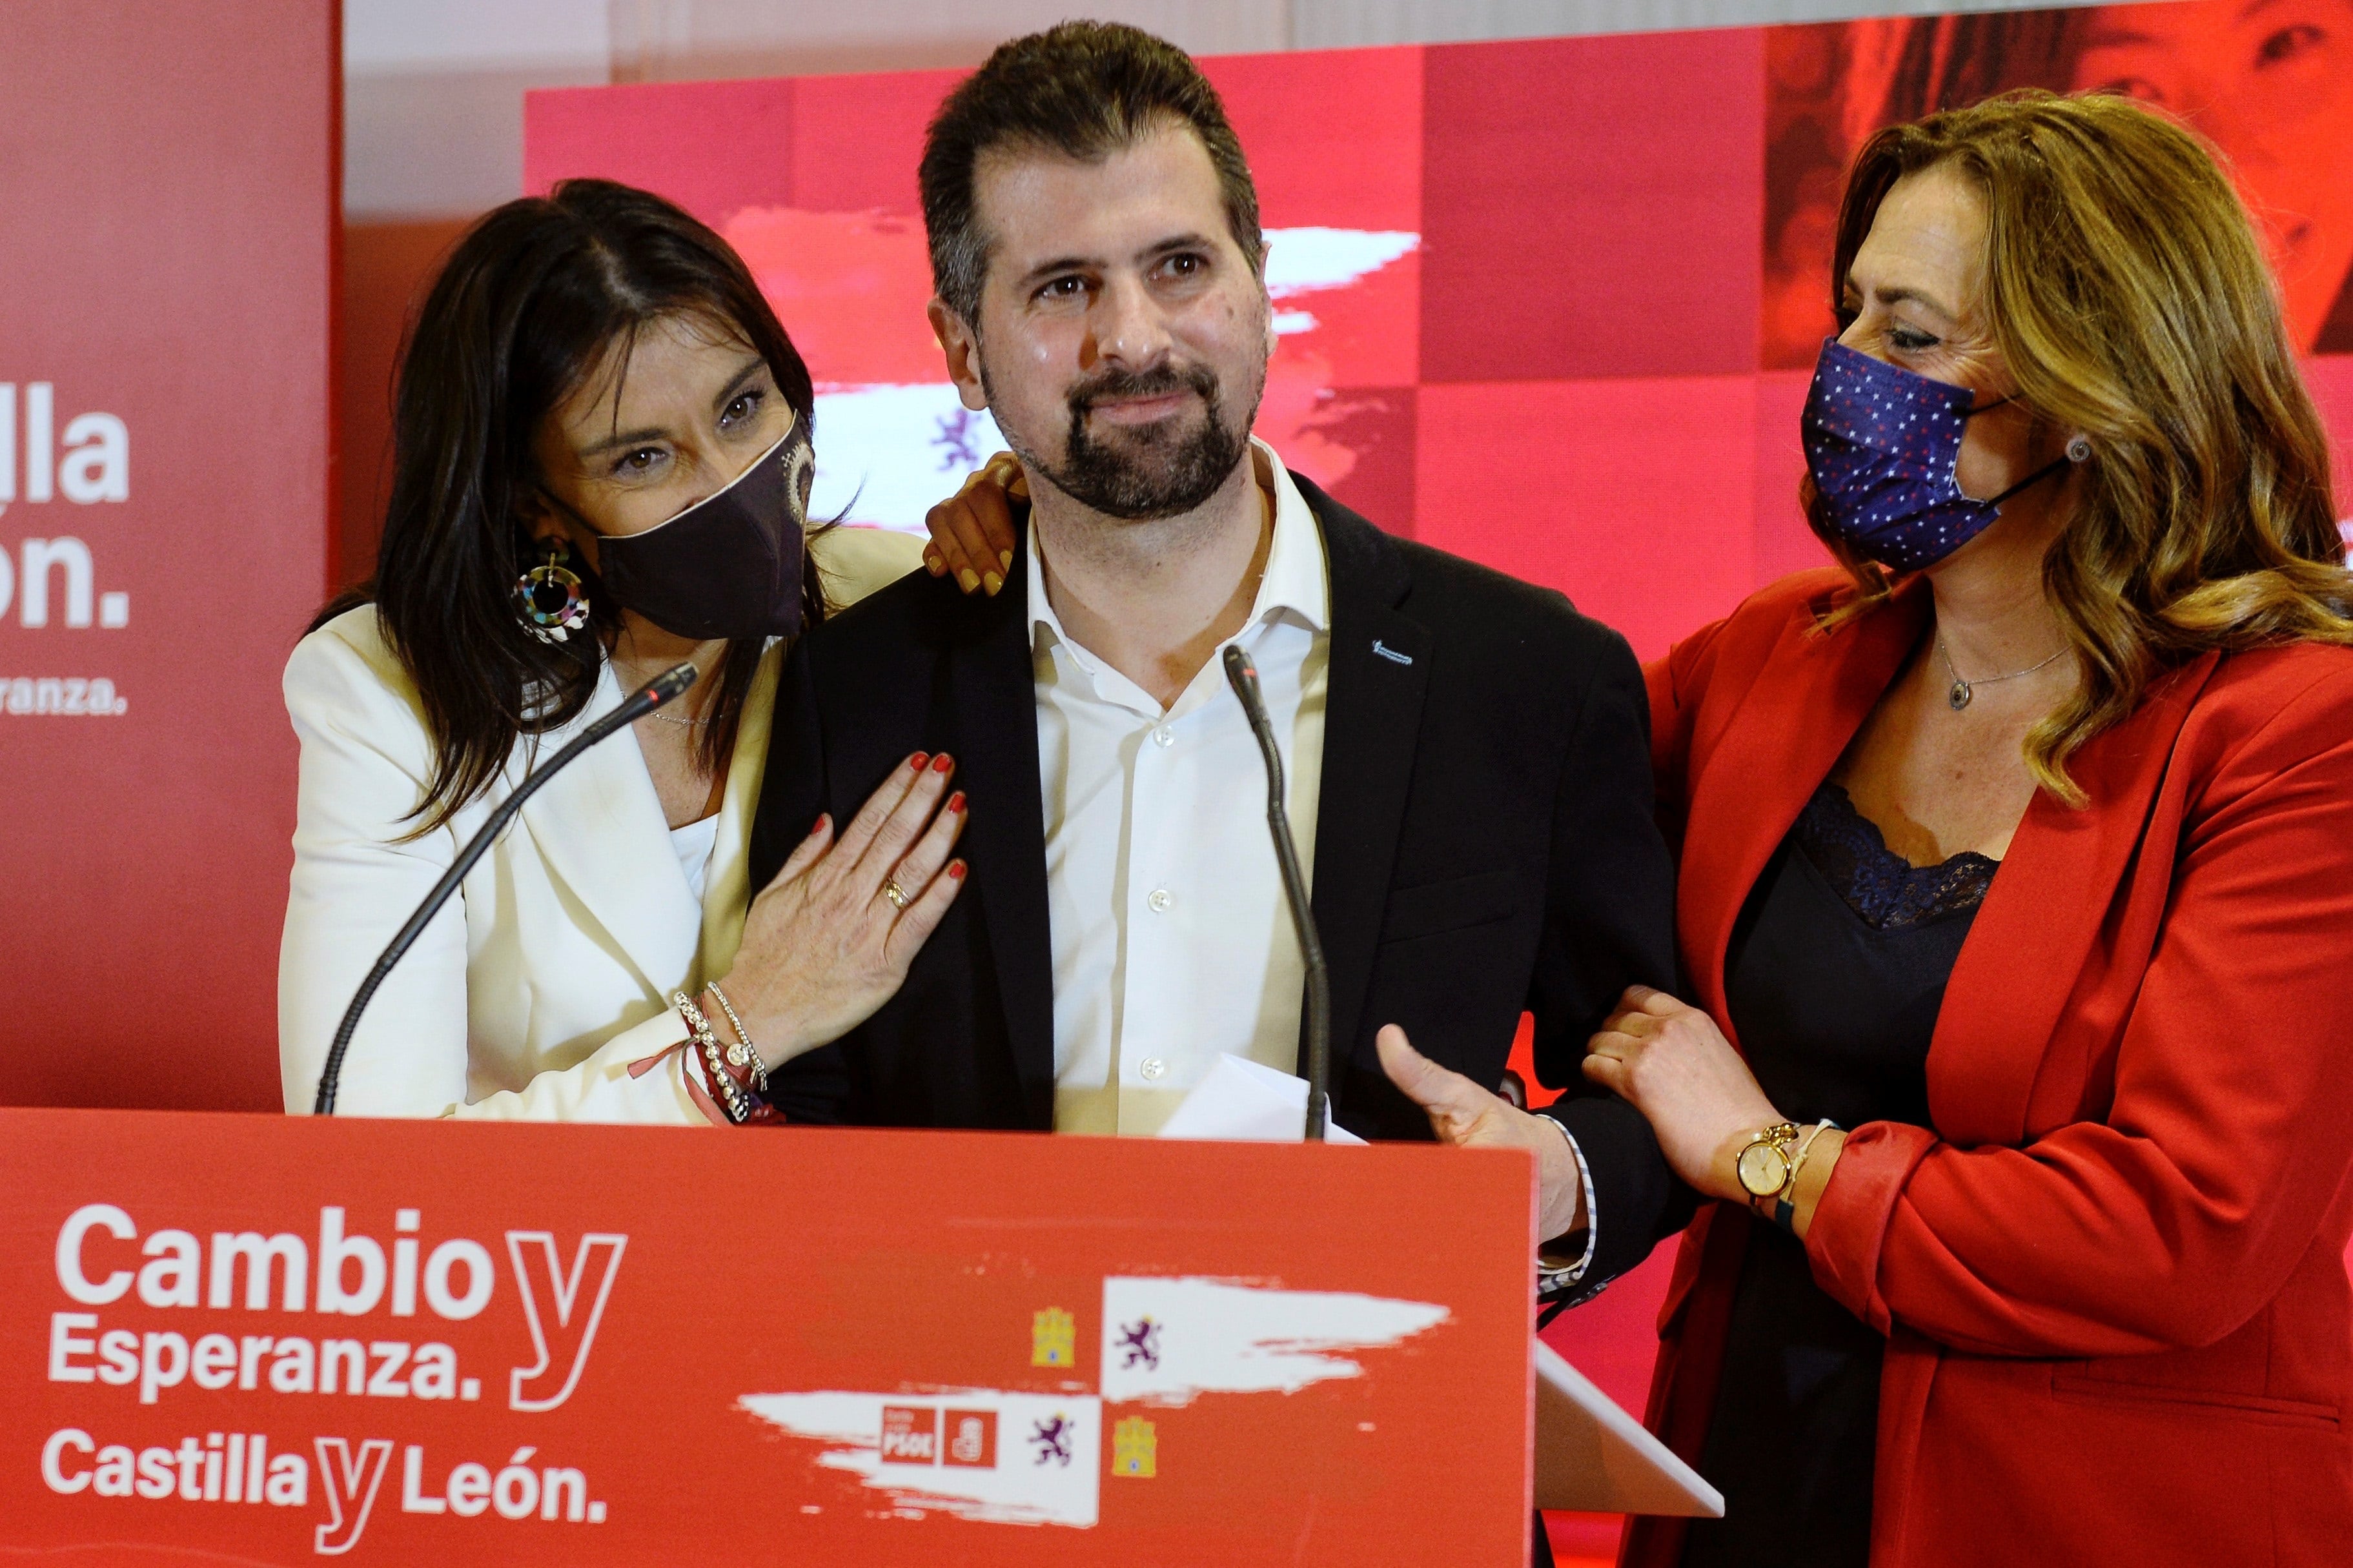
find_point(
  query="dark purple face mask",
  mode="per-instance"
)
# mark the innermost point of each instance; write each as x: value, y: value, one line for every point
x: 1883, y: 443
x: 729, y: 566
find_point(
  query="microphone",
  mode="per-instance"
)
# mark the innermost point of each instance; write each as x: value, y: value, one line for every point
x: 1243, y: 678
x: 670, y: 684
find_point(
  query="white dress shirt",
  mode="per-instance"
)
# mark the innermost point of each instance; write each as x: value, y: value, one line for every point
x: 1171, y: 939
x: 695, y: 845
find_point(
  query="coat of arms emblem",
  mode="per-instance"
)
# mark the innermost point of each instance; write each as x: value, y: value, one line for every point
x: 1134, y: 1448
x: 1053, y: 1338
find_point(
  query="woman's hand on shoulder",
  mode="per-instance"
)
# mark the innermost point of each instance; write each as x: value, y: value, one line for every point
x: 972, y: 537
x: 827, y: 942
x: 1672, y: 1063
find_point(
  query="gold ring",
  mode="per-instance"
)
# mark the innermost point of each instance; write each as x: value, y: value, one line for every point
x: 896, y: 894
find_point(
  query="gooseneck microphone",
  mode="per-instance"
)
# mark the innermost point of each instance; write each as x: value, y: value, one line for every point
x: 670, y: 684
x: 1243, y: 678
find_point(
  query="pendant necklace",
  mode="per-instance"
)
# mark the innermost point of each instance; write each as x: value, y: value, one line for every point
x: 1958, y: 696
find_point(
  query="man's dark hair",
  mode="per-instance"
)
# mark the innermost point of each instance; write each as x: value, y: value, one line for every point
x: 1084, y: 90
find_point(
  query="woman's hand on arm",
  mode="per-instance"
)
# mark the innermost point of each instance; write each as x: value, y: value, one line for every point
x: 972, y: 537
x: 2203, y: 1184
x: 825, y: 945
x: 1673, y: 1064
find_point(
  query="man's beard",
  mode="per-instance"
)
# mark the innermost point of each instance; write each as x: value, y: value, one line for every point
x: 1156, y: 471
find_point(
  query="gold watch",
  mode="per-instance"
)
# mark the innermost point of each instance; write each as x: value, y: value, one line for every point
x: 1764, y: 1163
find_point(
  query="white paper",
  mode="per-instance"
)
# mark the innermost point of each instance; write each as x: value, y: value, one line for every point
x: 1241, y: 1101
x: 1594, y: 1457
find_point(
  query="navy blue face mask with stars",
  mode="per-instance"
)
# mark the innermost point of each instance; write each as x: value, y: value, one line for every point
x: 1883, y: 443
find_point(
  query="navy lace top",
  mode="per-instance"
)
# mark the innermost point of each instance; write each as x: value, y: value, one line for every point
x: 1833, y: 978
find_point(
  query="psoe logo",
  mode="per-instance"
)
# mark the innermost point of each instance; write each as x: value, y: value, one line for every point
x: 911, y: 1435
x: 928, y: 1435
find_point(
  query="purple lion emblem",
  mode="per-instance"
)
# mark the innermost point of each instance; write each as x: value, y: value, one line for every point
x: 1051, y: 1438
x: 1139, y: 1342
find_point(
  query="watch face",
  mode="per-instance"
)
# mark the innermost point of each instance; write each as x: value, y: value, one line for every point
x: 1762, y: 1168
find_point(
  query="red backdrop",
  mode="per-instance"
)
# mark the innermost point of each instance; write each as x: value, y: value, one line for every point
x: 1551, y: 305
x: 170, y: 190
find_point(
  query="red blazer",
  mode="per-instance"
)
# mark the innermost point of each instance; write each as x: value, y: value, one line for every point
x: 2112, y: 1273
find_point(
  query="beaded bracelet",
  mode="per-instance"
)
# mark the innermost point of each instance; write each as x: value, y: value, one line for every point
x: 734, y: 1102
x: 1785, y: 1204
x: 743, y: 1053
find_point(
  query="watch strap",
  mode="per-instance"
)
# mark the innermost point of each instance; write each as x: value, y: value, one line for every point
x: 1785, y: 1204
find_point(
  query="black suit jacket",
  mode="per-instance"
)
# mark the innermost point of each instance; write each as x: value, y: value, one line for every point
x: 1484, y: 845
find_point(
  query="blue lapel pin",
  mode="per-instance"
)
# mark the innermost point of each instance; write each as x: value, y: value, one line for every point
x: 1390, y: 654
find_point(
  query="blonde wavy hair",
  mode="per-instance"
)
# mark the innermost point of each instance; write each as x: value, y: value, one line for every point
x: 2127, y: 291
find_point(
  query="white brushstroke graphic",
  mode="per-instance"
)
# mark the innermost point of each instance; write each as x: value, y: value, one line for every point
x: 898, y: 448
x: 1168, y: 1342
x: 895, y: 450
x: 1299, y: 260
x: 1029, y: 1483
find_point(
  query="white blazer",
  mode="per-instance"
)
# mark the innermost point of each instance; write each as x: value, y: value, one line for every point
x: 540, y: 988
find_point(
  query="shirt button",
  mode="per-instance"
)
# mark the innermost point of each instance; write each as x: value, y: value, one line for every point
x: 1164, y: 736
x: 1159, y: 900
x: 1152, y: 1066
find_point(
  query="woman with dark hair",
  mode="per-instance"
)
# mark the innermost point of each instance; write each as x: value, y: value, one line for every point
x: 2273, y: 85
x: 601, y: 469
x: 2270, y: 84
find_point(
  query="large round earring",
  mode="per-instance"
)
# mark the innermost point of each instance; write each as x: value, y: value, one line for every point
x: 2079, y: 449
x: 548, y: 599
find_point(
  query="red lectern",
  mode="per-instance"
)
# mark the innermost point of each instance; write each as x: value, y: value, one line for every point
x: 268, y: 1339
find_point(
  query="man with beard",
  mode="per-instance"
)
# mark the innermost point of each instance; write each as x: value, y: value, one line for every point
x: 1466, y: 757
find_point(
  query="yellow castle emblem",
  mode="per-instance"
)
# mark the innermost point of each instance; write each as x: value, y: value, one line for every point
x: 1134, y: 1448
x: 1053, y: 1338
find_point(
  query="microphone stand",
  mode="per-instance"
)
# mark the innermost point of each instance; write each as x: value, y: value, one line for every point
x: 1243, y: 678
x: 670, y: 684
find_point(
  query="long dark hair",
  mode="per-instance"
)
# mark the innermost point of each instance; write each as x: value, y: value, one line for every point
x: 535, y: 296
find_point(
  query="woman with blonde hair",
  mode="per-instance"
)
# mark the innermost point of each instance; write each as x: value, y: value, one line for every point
x: 2018, y: 859
x: 2016, y: 900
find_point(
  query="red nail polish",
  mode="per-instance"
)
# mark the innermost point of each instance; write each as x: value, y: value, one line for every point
x: 955, y: 801
x: 955, y: 870
x: 916, y: 762
x: 943, y: 764
x: 818, y: 825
